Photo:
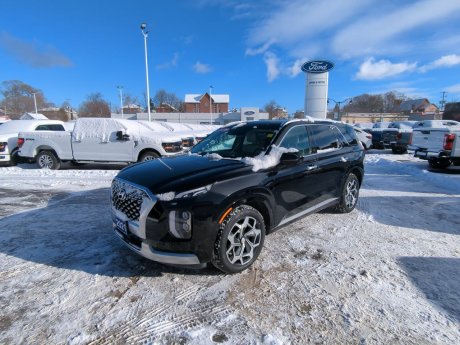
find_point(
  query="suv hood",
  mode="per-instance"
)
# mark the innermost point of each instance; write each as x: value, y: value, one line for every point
x: 181, y: 173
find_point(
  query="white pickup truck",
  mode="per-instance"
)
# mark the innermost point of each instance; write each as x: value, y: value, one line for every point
x: 9, y: 136
x: 437, y: 141
x: 98, y: 140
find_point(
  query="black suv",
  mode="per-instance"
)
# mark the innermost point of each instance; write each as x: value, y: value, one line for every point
x: 244, y: 180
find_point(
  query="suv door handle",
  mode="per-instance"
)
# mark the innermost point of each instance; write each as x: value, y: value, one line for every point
x: 312, y: 167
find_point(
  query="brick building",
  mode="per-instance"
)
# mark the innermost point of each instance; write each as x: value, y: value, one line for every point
x: 200, y: 103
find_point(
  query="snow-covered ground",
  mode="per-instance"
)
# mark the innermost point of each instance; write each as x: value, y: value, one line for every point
x: 387, y: 273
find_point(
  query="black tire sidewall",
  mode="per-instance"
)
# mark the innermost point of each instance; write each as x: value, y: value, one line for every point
x: 220, y: 259
x: 55, y: 160
x: 342, y: 207
x: 148, y: 154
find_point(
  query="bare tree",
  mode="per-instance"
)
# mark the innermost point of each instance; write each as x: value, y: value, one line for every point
x: 162, y: 97
x: 94, y: 106
x: 379, y: 103
x: 18, y: 98
x: 270, y: 108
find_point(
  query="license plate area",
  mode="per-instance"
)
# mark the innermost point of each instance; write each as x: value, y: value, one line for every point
x: 121, y: 226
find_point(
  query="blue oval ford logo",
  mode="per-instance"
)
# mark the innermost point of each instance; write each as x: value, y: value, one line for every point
x: 318, y: 66
x: 249, y: 112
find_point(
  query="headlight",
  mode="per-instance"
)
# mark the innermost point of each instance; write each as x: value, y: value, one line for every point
x: 2, y: 147
x: 180, y: 224
x: 172, y: 147
x: 194, y: 192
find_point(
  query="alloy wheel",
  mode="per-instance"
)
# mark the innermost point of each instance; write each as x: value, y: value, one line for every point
x: 351, y: 194
x: 242, y: 239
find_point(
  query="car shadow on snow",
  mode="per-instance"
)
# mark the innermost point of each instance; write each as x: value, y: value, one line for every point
x: 438, y: 279
x: 74, y: 232
x: 430, y: 213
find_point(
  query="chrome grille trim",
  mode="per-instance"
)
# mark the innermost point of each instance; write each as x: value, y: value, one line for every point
x: 128, y: 198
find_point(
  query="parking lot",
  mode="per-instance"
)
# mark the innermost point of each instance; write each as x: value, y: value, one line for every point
x: 387, y: 273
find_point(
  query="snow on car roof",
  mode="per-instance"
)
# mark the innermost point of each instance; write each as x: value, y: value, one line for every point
x: 104, y: 129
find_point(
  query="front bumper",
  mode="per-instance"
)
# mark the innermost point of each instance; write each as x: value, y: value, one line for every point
x: 4, y: 157
x: 133, y: 232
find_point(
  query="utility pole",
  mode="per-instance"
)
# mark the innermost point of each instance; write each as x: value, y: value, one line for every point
x: 120, y: 88
x: 35, y: 102
x: 443, y: 101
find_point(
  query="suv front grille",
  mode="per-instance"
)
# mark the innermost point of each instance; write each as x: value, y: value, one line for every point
x: 127, y: 199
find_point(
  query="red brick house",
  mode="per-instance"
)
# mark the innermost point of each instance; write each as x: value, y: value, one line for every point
x: 200, y: 103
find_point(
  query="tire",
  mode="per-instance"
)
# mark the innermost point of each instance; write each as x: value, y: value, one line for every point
x: 399, y: 150
x: 437, y: 163
x: 240, y: 240
x: 148, y: 156
x: 349, y: 195
x: 48, y: 160
x: 14, y: 158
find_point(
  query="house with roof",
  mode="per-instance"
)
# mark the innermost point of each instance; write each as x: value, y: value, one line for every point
x: 33, y: 116
x: 201, y: 103
x: 418, y: 106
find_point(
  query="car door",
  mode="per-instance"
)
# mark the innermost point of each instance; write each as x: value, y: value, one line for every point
x: 296, y: 186
x: 332, y: 156
x: 105, y: 141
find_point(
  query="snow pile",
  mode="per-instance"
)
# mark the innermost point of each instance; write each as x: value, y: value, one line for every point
x: 263, y: 161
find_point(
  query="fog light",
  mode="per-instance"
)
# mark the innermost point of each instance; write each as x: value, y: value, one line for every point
x: 180, y: 224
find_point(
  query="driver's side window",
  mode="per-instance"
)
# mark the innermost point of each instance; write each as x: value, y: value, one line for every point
x: 297, y: 138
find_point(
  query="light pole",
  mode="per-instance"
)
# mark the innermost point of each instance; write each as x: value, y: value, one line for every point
x: 210, y: 101
x: 339, y: 103
x: 120, y: 88
x: 145, y: 34
x: 35, y: 102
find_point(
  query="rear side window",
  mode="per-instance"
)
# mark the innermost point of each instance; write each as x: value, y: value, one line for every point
x: 297, y: 138
x: 54, y: 127
x: 349, y: 134
x: 325, y: 138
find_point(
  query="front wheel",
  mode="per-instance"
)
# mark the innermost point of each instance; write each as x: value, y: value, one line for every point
x: 349, y: 195
x: 148, y: 156
x: 48, y: 160
x: 438, y: 163
x: 240, y: 240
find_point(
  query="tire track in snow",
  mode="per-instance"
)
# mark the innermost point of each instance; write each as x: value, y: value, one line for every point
x: 137, y: 329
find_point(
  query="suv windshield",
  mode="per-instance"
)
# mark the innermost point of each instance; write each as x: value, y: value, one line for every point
x: 242, y: 140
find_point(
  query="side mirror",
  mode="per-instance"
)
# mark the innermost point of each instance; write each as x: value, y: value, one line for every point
x: 121, y: 136
x: 290, y: 158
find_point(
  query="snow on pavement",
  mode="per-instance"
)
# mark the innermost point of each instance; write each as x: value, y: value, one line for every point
x: 385, y: 273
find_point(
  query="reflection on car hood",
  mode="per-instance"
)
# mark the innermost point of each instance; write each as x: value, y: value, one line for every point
x: 180, y: 173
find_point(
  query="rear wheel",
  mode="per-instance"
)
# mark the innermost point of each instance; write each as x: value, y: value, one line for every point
x: 438, y: 163
x: 399, y: 150
x: 148, y: 156
x: 350, y: 194
x: 48, y: 160
x: 240, y: 240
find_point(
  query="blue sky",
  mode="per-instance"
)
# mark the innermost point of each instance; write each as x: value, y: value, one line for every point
x: 251, y: 50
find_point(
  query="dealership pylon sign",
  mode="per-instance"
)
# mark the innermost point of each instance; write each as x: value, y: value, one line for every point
x: 316, y: 87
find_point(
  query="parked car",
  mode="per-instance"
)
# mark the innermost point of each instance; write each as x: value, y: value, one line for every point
x: 438, y: 142
x: 98, y: 140
x: 377, y: 134
x: 364, y: 137
x: 397, y: 136
x: 243, y: 181
x: 9, y: 136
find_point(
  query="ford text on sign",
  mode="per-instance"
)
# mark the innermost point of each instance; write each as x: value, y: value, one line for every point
x: 317, y: 66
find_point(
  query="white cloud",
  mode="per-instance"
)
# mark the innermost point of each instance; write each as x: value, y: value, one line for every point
x: 170, y: 64
x: 454, y: 89
x: 374, y: 70
x: 380, y: 32
x: 444, y: 61
x: 259, y: 50
x: 33, y: 53
x: 272, y: 63
x: 201, y: 68
x: 295, y: 69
